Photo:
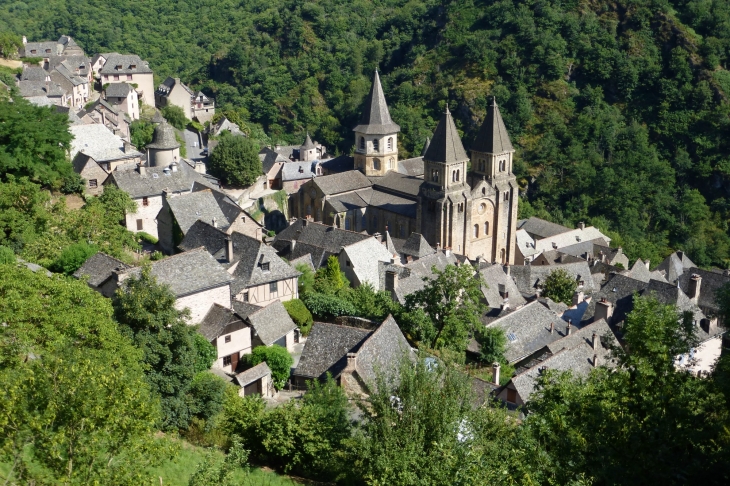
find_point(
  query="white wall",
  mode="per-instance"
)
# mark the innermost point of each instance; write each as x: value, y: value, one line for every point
x: 200, y: 303
x: 262, y: 296
x: 240, y: 342
x: 148, y: 215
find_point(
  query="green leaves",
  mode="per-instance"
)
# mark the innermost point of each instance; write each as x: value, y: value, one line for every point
x: 277, y: 359
x: 560, y: 286
x: 235, y: 160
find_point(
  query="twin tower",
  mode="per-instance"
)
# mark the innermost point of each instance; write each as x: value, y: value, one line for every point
x: 467, y: 205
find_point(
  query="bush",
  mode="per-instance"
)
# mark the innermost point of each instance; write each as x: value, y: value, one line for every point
x: 235, y: 161
x: 299, y: 314
x: 7, y: 257
x: 175, y: 116
x: 278, y: 360
x: 560, y: 286
x: 156, y: 255
x: 72, y: 257
x: 205, y: 395
x: 206, y: 353
x: 327, y: 307
x: 147, y: 238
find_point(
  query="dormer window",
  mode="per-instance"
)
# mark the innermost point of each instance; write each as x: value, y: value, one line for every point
x: 376, y: 145
x: 265, y: 266
x: 132, y: 66
x: 301, y: 169
x: 48, y: 51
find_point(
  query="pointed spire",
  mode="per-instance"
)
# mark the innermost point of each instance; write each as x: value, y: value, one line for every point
x: 375, y: 116
x: 493, y: 137
x: 389, y: 244
x: 446, y: 146
x: 425, y: 146
x: 308, y: 144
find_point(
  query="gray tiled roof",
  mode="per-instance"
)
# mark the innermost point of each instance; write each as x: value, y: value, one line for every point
x: 315, y: 238
x: 304, y: 259
x: 347, y: 201
x: 294, y: 171
x: 164, y: 137
x: 99, y: 268
x: 33, y: 73
x: 29, y: 89
x: 394, y: 204
x: 425, y: 146
x: 326, y: 349
x: 248, y: 255
x: 411, y: 167
x: 499, y: 282
x: 269, y: 159
x: 202, y: 233
x: 250, y: 375
x: 342, y: 163
x: 398, y: 183
x: 99, y: 143
x: 118, y: 90
x: 711, y: 283
x: 585, y: 335
x: 203, y: 205
x: 382, y: 352
x: 364, y: 257
x: 529, y: 277
x: 308, y: 144
x: 40, y: 48
x: 189, y: 272
x: 137, y: 185
x: 271, y: 322
x: 541, y: 228
x: 530, y: 325
x: 126, y: 61
x: 417, y: 246
x: 219, y: 321
x: 412, y: 278
x: 619, y: 290
x: 446, y: 144
x: 244, y: 309
x: 342, y: 182
x: 675, y: 265
x: 375, y: 118
x: 492, y: 137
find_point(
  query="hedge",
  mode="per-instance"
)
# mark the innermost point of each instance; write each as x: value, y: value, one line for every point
x: 299, y: 314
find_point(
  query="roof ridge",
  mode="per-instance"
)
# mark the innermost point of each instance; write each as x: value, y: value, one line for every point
x: 343, y: 325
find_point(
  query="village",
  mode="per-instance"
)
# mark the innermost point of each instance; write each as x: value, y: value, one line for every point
x: 390, y: 224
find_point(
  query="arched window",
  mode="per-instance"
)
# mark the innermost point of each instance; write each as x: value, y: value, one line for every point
x: 390, y: 144
x: 457, y: 175
x: 453, y: 176
x: 506, y: 196
x: 486, y: 228
x: 376, y: 164
x: 476, y: 231
x: 503, y: 256
x: 390, y: 163
x: 309, y: 210
x: 435, y: 175
x: 362, y: 143
x: 484, y: 191
x: 376, y: 145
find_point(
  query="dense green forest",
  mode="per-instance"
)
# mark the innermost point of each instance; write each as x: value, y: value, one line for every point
x: 618, y: 110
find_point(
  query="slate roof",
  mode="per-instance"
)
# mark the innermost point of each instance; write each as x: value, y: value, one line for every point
x: 492, y: 137
x: 248, y: 256
x: 425, y: 146
x: 393, y: 203
x: 205, y: 205
x: 326, y: 349
x: 347, y: 201
x: 398, y: 183
x: 118, y: 90
x: 138, y: 186
x: 412, y: 274
x: 382, y: 352
x: 584, y: 335
x: 342, y: 163
x: 530, y: 326
x: 219, y: 321
x: 304, y: 259
x: 269, y: 158
x: 541, y: 228
x: 417, y: 246
x: 40, y: 47
x: 126, y: 61
x: 498, y: 283
x: 99, y: 268
x: 294, y: 171
x: 675, y: 265
x: 619, y: 290
x: 308, y: 144
x: 411, y: 167
x: 529, y: 277
x: 99, y: 143
x: 33, y: 73
x: 164, y: 137
x: 252, y: 374
x: 29, y: 89
x: 189, y: 272
x: 288, y: 151
x: 317, y: 239
x: 639, y: 271
x: 342, y: 182
x: 711, y: 282
x: 364, y: 257
x: 446, y: 146
x: 375, y: 118
x: 271, y: 322
x: 589, y: 248
x: 244, y: 309
x: 568, y: 238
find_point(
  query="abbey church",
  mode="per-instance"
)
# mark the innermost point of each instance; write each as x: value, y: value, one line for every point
x: 468, y: 208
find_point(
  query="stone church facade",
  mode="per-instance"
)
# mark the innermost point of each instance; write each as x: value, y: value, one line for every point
x: 474, y: 213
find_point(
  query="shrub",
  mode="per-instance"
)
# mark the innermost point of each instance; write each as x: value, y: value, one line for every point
x: 156, y: 255
x: 7, y: 257
x: 235, y: 161
x: 327, y: 307
x: 278, y: 360
x: 205, y: 395
x: 560, y: 286
x: 72, y: 257
x: 299, y: 314
x: 206, y: 353
x: 147, y: 238
x: 175, y: 116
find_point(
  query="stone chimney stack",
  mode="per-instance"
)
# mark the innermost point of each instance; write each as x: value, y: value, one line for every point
x: 581, y: 225
x: 595, y: 341
x: 495, y: 373
x: 391, y: 280
x: 229, y: 249
x: 578, y: 297
x: 142, y: 169
x: 25, y: 40
x: 128, y: 147
x: 552, y: 327
x: 351, y: 362
x: 507, y: 269
x: 304, y: 222
x: 567, y: 328
x: 595, y: 360
x: 604, y: 310
x: 695, y: 282
x: 215, y: 222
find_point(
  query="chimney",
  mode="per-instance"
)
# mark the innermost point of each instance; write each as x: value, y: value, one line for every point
x: 647, y: 264
x: 604, y: 310
x: 595, y: 341
x: 552, y: 327
x: 709, y: 325
x: 577, y: 297
x: 391, y: 280
x: 25, y: 40
x: 567, y: 328
x: 229, y: 249
x: 595, y: 360
x: 304, y: 222
x: 215, y: 222
x: 506, y: 269
x: 142, y: 170
x: 695, y: 282
x: 581, y: 225
x: 495, y: 373
x: 173, y: 166
x: 128, y: 147
x: 293, y: 244
x: 447, y: 252
x: 378, y: 237
x: 505, y: 304
x: 351, y: 362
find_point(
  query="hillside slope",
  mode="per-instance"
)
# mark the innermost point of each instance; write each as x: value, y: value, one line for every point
x: 619, y: 110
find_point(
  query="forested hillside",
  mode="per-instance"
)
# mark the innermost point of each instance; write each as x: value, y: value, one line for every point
x: 619, y: 110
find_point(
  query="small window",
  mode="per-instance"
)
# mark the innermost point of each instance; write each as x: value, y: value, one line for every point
x: 145, y: 201
x: 228, y: 338
x: 506, y: 196
x: 92, y: 183
x: 484, y: 191
x: 118, y: 67
x: 390, y: 143
x: 116, y: 77
x: 106, y: 77
x: 457, y: 176
x: 347, y: 263
x: 274, y: 287
x: 129, y: 77
x: 376, y: 145
x: 140, y: 225
x: 265, y: 267
x: 226, y: 361
x: 33, y: 51
x: 476, y: 231
x: 48, y: 51
x: 486, y: 230
x: 245, y: 296
x: 362, y: 143
x: 132, y: 66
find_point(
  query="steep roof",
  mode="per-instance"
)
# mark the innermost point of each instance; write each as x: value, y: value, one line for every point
x: 411, y: 167
x: 249, y: 257
x: 375, y: 118
x: 675, y: 265
x: 411, y: 275
x: 381, y: 352
x: 157, y: 179
x: 398, y: 183
x: 99, y: 268
x: 250, y: 375
x: 342, y: 182
x: 203, y: 205
x: 118, y: 90
x: 425, y: 146
x: 417, y: 246
x: 492, y: 137
x: 342, y: 163
x: 529, y: 277
x: 310, y: 236
x: 271, y: 322
x: 219, y: 321
x: 294, y: 171
x: 499, y: 283
x: 164, y: 137
x: 130, y: 64
x: 308, y: 144
x: 364, y: 257
x: 711, y: 282
x: 326, y: 349
x: 446, y: 146
x: 540, y: 228
x: 99, y: 143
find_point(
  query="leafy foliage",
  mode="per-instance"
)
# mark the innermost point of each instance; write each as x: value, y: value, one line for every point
x: 235, y: 160
x: 493, y: 343
x: 300, y: 315
x: 205, y: 353
x: 72, y: 257
x: 141, y: 133
x: 175, y: 116
x: 205, y: 395
x: 560, y: 286
x: 277, y: 359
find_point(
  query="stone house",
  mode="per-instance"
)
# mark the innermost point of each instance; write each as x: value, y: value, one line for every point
x: 403, y: 280
x: 164, y: 149
x: 270, y: 324
x: 64, y: 46
x: 230, y: 335
x: 99, y: 270
x: 360, y: 262
x: 72, y: 77
x: 195, y: 105
x: 294, y: 175
x: 101, y: 112
x: 412, y: 248
x: 256, y: 381
x: 129, y: 68
x: 530, y: 279
x: 529, y: 248
x: 271, y: 163
x: 224, y: 125
x: 352, y: 356
x: 124, y: 98
x: 196, y: 279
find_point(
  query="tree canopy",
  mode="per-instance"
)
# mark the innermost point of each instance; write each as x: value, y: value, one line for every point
x: 235, y: 160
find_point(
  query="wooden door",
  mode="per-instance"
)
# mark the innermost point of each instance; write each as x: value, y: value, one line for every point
x: 234, y: 361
